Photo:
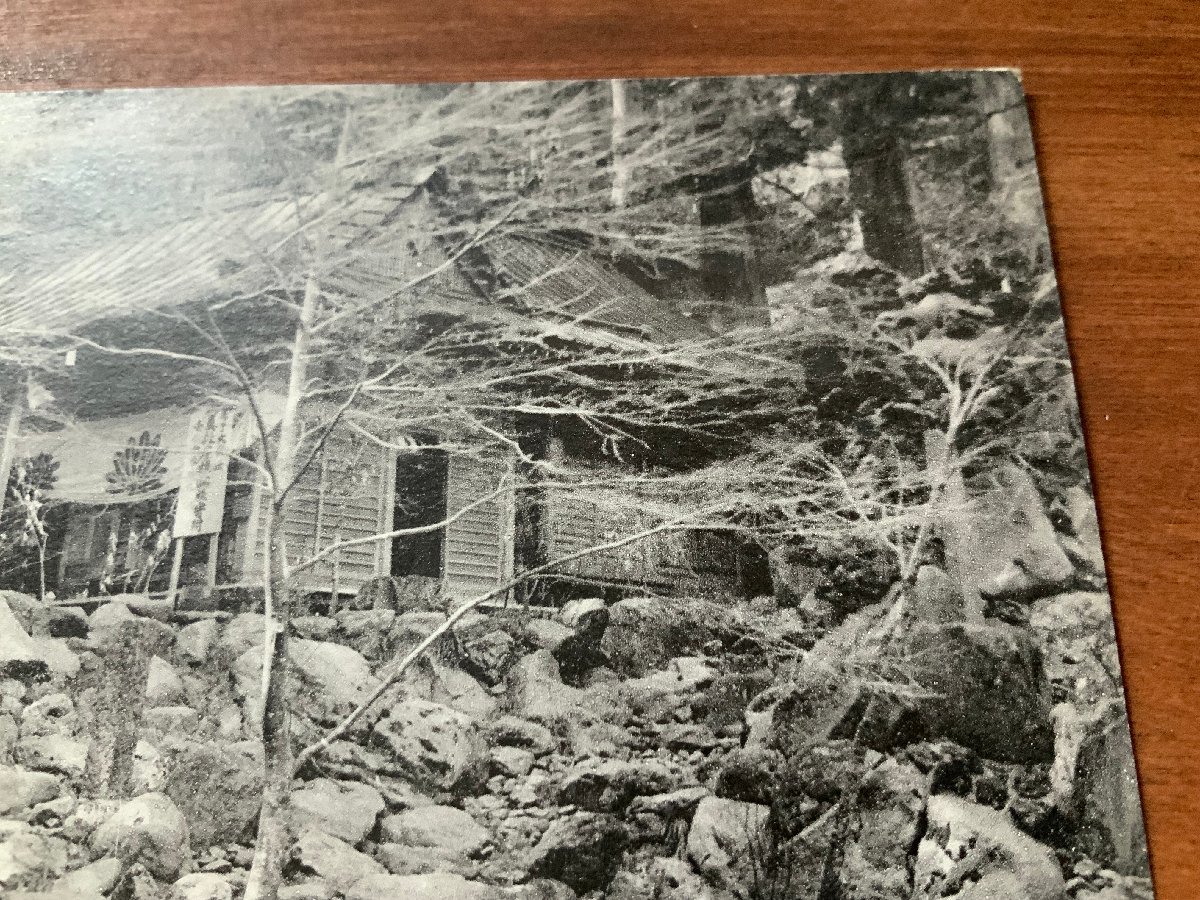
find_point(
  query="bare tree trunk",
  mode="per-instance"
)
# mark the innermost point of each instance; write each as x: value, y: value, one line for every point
x: 620, y: 168
x: 874, y: 156
x: 271, y: 847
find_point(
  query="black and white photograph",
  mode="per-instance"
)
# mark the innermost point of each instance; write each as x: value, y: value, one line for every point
x: 661, y: 489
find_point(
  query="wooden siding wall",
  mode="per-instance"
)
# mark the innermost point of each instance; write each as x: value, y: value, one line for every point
x: 675, y: 562
x: 341, y: 496
x: 478, y: 550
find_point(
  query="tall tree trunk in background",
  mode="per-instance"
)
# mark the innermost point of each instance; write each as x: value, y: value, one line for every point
x: 732, y: 278
x: 620, y: 127
x: 271, y: 847
x: 873, y: 151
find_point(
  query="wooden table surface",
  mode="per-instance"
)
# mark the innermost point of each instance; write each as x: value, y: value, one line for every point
x: 1115, y: 89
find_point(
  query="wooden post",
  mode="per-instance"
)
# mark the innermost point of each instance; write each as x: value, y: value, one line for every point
x: 176, y: 565
x: 210, y: 570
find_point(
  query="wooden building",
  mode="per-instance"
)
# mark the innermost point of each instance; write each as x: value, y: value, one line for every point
x: 109, y: 541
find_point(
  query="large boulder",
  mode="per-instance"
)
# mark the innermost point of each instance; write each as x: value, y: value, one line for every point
x: 366, y: 630
x: 50, y: 738
x: 28, y: 857
x: 93, y: 879
x: 444, y: 828
x: 1104, y: 798
x: 582, y: 851
x: 329, y: 680
x: 887, y: 819
x: 722, y: 839
x: 436, y: 886
x: 21, y: 789
x: 347, y: 810
x: 148, y: 829
x: 202, y: 886
x: 978, y: 850
x: 1013, y: 548
x: 218, y: 790
x: 645, y: 633
x: 438, y: 747
x: 981, y: 686
x: 334, y: 861
x: 20, y: 655
x: 609, y: 785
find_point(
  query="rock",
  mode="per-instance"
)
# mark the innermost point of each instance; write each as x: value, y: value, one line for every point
x: 444, y: 828
x: 538, y: 889
x: 332, y: 860
x: 451, y: 686
x: 672, y: 804
x: 1081, y: 644
x: 107, y: 619
x: 315, y: 628
x: 937, y: 598
x: 490, y: 656
x: 176, y: 720
x: 202, y: 886
x: 1013, y: 548
x: 436, y: 886
x: 646, y: 633
x: 28, y: 858
x: 537, y: 692
x: 721, y: 838
x: 576, y: 613
x: 1105, y: 797
x: 148, y: 829
x: 20, y: 655
x: 367, y: 630
x: 981, y: 686
x: 581, y: 653
x: 94, y: 879
x: 965, y: 842
x: 86, y: 818
x: 582, y: 851
x: 346, y: 810
x: 886, y: 822
x: 329, y: 681
x: 218, y: 790
x: 439, y: 747
x: 610, y: 785
x: 57, y: 753
x: 512, y: 731
x: 9, y: 732
x: 547, y: 633
x: 511, y: 762
x: 194, y: 642
x: 163, y: 685
x: 749, y: 774
x: 689, y: 736
x: 309, y: 889
x: 32, y: 614
x: 21, y: 789
x: 792, y: 580
x: 149, y: 774
x: 403, y: 859
x: 243, y: 632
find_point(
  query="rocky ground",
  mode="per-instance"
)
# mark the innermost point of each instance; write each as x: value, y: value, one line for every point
x: 646, y: 749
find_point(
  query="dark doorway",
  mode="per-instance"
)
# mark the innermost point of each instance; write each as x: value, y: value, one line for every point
x: 420, y: 500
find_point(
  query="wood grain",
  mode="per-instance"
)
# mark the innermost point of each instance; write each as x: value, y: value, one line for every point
x: 1116, y: 95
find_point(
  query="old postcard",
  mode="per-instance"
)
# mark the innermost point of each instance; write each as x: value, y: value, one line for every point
x: 614, y: 489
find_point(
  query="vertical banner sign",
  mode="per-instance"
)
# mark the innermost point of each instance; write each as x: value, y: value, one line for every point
x: 205, y: 469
